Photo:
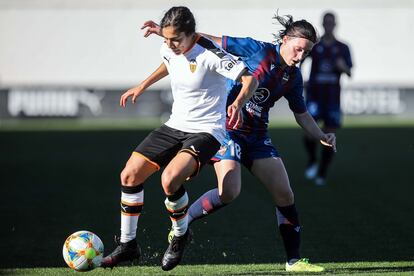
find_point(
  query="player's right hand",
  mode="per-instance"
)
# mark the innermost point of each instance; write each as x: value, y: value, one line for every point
x: 329, y: 140
x: 133, y: 92
x: 151, y: 28
x: 235, y: 116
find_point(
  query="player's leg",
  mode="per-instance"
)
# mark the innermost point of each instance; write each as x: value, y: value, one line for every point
x: 229, y: 185
x: 332, y: 122
x: 272, y: 173
x: 196, y: 151
x: 228, y: 174
x: 327, y: 155
x: 312, y: 165
x: 153, y: 152
x: 181, y: 167
x: 310, y: 144
x: 136, y: 171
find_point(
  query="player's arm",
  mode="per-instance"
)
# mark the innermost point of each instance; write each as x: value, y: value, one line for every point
x: 216, y: 39
x: 249, y: 85
x: 342, y: 67
x: 136, y: 91
x: 344, y: 62
x: 153, y: 28
x: 306, y: 121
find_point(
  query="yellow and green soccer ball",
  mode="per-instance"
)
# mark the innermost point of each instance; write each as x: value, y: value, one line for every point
x: 83, y: 251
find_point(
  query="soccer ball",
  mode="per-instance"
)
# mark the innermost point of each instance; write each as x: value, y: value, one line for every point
x: 83, y: 251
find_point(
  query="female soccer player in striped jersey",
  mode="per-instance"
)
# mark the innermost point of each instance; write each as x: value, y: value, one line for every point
x: 198, y: 69
x: 274, y: 66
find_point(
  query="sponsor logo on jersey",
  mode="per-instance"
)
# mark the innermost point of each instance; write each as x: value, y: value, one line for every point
x: 193, y: 65
x: 230, y: 64
x: 254, y: 109
x: 260, y: 95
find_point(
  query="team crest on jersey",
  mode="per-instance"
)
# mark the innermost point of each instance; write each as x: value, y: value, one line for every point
x: 285, y: 78
x: 260, y: 95
x: 193, y: 65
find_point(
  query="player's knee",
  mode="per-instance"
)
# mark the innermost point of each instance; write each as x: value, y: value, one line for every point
x: 129, y: 177
x: 286, y: 198
x: 230, y: 193
x: 169, y: 180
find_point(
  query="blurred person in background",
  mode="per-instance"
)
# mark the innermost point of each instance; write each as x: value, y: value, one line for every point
x: 274, y: 66
x: 198, y: 69
x: 330, y: 59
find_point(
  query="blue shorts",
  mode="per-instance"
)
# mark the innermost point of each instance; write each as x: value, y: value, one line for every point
x: 323, y: 103
x: 245, y: 148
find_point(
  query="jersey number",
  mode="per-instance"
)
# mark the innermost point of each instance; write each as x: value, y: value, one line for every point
x: 235, y: 149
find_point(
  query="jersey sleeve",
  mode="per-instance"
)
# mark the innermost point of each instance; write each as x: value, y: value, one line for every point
x: 229, y: 67
x: 295, y: 94
x: 221, y: 61
x: 242, y: 47
x: 347, y: 56
x: 165, y: 56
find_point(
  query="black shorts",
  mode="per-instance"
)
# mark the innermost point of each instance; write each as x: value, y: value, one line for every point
x: 163, y: 144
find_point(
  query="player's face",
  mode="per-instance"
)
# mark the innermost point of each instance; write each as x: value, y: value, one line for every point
x: 329, y: 24
x: 294, y: 49
x: 177, y: 42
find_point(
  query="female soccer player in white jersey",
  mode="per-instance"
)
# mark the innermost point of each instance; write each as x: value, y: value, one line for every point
x: 274, y: 65
x: 198, y: 69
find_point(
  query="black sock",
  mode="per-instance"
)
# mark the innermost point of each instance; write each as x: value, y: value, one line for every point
x: 310, y: 146
x: 289, y: 228
x: 327, y: 156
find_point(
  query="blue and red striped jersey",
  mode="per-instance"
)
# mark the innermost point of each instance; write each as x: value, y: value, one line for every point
x: 264, y: 62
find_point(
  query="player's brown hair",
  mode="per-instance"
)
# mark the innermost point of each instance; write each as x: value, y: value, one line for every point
x: 300, y: 28
x: 180, y: 18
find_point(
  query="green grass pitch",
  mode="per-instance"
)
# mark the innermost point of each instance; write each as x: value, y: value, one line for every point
x: 54, y: 183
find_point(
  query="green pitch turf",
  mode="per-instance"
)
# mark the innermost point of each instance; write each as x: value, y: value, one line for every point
x: 54, y: 183
x: 357, y: 268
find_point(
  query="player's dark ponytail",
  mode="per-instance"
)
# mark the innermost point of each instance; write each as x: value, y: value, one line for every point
x: 300, y: 28
x: 180, y: 18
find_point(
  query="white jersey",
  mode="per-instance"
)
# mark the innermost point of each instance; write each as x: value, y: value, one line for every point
x: 198, y: 83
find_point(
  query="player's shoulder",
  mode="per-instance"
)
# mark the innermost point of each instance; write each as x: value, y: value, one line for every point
x: 211, y: 47
x: 259, y: 43
x: 164, y: 49
x: 342, y: 44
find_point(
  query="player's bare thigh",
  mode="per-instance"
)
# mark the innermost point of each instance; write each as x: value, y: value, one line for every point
x: 229, y: 179
x: 182, y: 166
x: 137, y: 170
x: 272, y: 173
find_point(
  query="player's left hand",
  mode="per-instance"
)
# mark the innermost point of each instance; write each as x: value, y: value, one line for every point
x: 234, y: 113
x: 151, y: 28
x: 329, y: 140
